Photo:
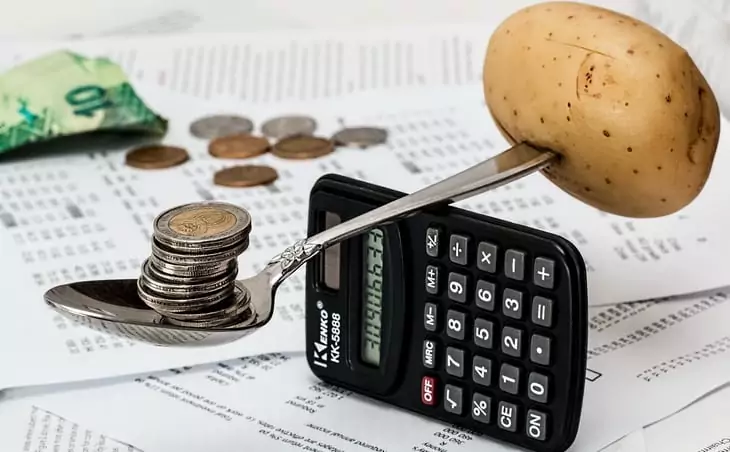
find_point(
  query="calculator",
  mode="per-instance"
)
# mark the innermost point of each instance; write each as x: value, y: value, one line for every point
x: 457, y: 316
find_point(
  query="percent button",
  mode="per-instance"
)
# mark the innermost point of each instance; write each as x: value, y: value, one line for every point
x: 481, y: 408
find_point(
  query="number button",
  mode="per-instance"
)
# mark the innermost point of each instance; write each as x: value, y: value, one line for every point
x: 429, y: 354
x: 481, y: 408
x: 537, y: 387
x: 507, y: 416
x: 432, y: 279
x: 485, y: 295
x: 536, y: 425
x: 483, y: 330
x: 430, y: 316
x: 514, y: 264
x: 542, y: 311
x: 512, y: 303
x: 509, y: 379
x: 453, y: 399
x: 455, y: 324
x: 487, y: 257
x: 457, y: 287
x: 458, y: 249
x: 543, y: 273
x: 482, y: 370
x: 432, y: 241
x: 455, y: 362
x: 511, y: 341
x: 540, y: 350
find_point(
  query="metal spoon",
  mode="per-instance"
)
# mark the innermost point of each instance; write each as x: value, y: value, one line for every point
x: 113, y: 306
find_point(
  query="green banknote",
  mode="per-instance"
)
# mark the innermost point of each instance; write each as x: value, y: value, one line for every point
x: 63, y: 94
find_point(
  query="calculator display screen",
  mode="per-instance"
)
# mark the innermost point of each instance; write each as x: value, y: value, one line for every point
x: 373, y: 296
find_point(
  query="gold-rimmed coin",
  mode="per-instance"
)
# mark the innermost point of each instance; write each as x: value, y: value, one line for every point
x: 302, y: 147
x: 238, y: 146
x: 156, y: 156
x: 245, y: 176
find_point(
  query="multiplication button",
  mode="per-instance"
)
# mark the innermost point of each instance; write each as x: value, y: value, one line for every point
x: 487, y: 257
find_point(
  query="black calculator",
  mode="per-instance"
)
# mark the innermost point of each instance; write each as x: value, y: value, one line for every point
x: 457, y: 316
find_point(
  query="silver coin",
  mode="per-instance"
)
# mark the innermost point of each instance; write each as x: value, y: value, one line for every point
x: 361, y: 137
x: 230, y: 308
x: 202, y: 226
x: 150, y: 266
x: 165, y: 254
x: 216, y: 126
x: 188, y: 289
x: 173, y: 271
x: 284, y: 126
x: 242, y: 314
x: 163, y: 304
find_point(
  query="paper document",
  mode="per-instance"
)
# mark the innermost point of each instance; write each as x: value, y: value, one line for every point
x: 88, y: 216
x: 646, y: 362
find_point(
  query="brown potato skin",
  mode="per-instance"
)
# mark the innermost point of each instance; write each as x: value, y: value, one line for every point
x: 634, y: 121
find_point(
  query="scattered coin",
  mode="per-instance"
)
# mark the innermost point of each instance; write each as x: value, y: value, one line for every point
x: 302, y: 147
x: 238, y: 146
x: 362, y: 137
x: 285, y: 126
x: 216, y: 126
x: 156, y: 156
x: 245, y: 176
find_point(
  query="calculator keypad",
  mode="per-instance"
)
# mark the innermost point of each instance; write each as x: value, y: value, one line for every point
x: 496, y: 344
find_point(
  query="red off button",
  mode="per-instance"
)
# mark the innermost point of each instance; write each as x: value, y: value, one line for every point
x: 428, y: 391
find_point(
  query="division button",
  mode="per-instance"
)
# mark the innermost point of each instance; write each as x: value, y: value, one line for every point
x: 514, y: 264
x: 459, y: 249
x: 453, y: 399
x: 433, y: 236
x: 544, y: 273
x: 487, y: 257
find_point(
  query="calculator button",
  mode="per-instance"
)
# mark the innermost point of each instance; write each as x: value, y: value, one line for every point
x: 487, y: 257
x: 542, y: 311
x: 428, y: 391
x: 511, y: 341
x: 481, y: 408
x: 514, y: 264
x: 432, y: 279
x: 483, y: 331
x: 457, y: 287
x: 430, y: 316
x: 540, y: 350
x: 429, y: 354
x: 512, y: 303
x: 507, y: 416
x: 455, y: 324
x: 543, y: 273
x: 433, y: 236
x: 509, y: 379
x: 459, y: 249
x: 537, y: 387
x: 482, y: 370
x: 453, y: 402
x: 485, y: 295
x: 455, y: 362
x: 536, y: 425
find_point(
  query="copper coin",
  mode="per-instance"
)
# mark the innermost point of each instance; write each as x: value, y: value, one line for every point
x: 245, y: 176
x: 239, y: 146
x: 302, y: 147
x: 156, y: 156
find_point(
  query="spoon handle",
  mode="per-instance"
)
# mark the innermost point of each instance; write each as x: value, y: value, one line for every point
x: 514, y: 163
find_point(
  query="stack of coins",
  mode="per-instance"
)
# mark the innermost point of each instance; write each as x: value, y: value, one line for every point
x: 190, y: 277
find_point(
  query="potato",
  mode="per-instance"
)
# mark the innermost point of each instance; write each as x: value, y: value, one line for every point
x: 633, y: 120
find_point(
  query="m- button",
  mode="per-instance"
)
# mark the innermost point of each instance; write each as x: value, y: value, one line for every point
x: 543, y: 273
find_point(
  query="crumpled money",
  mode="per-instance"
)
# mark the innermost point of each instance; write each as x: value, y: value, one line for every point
x: 63, y: 94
